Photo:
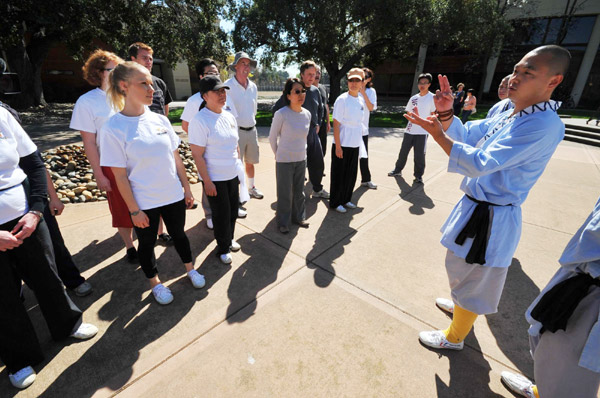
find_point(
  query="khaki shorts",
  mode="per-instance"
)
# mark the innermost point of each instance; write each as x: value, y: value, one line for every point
x: 248, y: 143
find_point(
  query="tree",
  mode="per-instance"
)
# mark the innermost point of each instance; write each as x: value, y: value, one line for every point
x: 341, y: 34
x: 176, y: 29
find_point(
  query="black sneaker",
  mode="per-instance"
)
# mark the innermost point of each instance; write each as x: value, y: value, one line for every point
x: 395, y: 173
x: 418, y: 180
x: 132, y: 256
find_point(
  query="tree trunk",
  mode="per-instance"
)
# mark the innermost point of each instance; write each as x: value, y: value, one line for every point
x: 29, y: 70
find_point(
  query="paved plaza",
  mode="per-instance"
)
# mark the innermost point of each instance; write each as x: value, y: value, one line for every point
x: 329, y: 311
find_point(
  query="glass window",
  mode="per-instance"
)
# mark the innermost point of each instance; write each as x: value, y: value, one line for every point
x: 553, y: 29
x: 535, y: 29
x: 580, y: 30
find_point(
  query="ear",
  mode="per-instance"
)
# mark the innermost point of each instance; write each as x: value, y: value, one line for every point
x: 555, y: 81
x: 123, y: 86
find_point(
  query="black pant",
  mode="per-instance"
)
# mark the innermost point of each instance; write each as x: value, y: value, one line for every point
x: 174, y: 217
x: 224, y: 212
x: 67, y: 270
x: 365, y: 173
x: 418, y: 142
x: 343, y: 176
x: 323, y: 136
x: 32, y: 262
x: 465, y: 116
x: 314, y: 159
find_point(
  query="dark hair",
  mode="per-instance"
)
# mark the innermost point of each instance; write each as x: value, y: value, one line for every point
x: 426, y: 76
x: 369, y: 73
x: 287, y: 89
x: 472, y: 91
x: 203, y: 63
x: 137, y: 46
x: 307, y: 64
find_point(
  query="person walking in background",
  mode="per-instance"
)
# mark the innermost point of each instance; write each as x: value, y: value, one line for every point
x: 141, y: 148
x: 91, y: 111
x: 288, y: 135
x: 325, y: 126
x: 244, y: 95
x: 459, y: 97
x: 415, y: 136
x: 469, y: 107
x: 348, y: 116
x: 213, y: 137
x: 505, y: 103
x: 370, y: 97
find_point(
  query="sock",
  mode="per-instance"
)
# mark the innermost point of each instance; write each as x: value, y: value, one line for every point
x: 251, y: 182
x: 535, y: 391
x: 462, y: 323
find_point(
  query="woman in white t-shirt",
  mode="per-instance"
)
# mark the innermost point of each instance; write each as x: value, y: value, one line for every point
x: 370, y: 96
x: 141, y: 149
x: 213, y: 138
x: 348, y: 114
x: 288, y: 136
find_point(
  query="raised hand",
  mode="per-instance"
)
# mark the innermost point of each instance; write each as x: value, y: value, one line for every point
x: 443, y: 98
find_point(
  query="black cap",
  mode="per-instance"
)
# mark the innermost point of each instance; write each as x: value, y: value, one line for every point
x: 211, y: 83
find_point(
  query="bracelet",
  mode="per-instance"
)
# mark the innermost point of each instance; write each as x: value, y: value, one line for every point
x: 444, y: 113
x: 134, y: 213
x: 37, y: 213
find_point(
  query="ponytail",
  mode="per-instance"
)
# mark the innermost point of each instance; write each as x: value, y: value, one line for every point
x: 121, y: 73
x: 202, y: 105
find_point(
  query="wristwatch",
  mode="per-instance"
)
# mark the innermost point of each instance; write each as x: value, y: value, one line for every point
x: 37, y: 213
x: 134, y: 213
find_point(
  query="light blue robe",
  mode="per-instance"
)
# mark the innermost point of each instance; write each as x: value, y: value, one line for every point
x: 501, y: 159
x: 499, y: 107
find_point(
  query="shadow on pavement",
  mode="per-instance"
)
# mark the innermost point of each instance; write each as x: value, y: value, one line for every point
x: 414, y: 194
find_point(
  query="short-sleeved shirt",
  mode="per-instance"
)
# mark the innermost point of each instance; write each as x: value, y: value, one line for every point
x: 218, y: 134
x: 372, y: 95
x: 348, y: 111
x: 426, y: 107
x: 288, y: 133
x: 91, y: 111
x: 192, y: 106
x: 144, y: 146
x: 245, y: 101
x: 312, y: 103
x: 14, y: 144
x: 161, y: 96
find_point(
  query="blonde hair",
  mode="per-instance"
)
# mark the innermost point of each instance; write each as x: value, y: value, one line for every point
x: 95, y: 64
x: 121, y: 73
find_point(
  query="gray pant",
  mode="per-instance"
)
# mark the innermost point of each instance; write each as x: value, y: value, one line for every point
x: 418, y: 142
x: 290, y: 192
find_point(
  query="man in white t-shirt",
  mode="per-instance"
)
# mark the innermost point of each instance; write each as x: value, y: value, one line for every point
x: 244, y: 95
x: 415, y: 136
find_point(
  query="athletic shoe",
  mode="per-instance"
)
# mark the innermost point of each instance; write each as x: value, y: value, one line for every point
x: 303, y: 224
x: 235, y: 246
x: 437, y: 339
x: 418, y: 180
x: 350, y: 205
x: 85, y: 331
x: 341, y: 209
x: 369, y: 184
x: 320, y: 194
x: 165, y: 238
x: 255, y: 193
x: 209, y: 223
x: 518, y: 384
x: 162, y: 294
x: 445, y: 304
x: 197, y: 279
x: 242, y: 213
x: 132, y: 256
x: 23, y: 378
x: 394, y: 173
x: 83, y: 290
x: 226, y: 258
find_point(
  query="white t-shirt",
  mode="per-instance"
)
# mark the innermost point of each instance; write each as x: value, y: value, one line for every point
x: 426, y: 108
x: 349, y: 111
x: 91, y: 111
x: 245, y: 101
x: 14, y: 144
x: 144, y: 146
x: 193, y: 103
x: 372, y: 95
x: 218, y: 133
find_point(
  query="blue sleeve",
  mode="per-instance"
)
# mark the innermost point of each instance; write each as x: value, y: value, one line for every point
x: 469, y: 133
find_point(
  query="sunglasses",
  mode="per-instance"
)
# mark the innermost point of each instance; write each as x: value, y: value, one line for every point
x: 297, y: 92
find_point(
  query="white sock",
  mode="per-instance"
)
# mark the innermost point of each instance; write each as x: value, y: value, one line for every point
x: 251, y: 182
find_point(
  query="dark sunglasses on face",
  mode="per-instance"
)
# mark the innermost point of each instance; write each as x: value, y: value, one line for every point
x: 303, y: 91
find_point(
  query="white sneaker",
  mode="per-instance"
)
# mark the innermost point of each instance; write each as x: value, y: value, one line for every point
x: 226, y: 258
x: 255, y: 193
x: 369, y: 184
x: 162, y: 294
x: 445, y: 304
x: 242, y: 213
x: 23, y: 378
x: 518, y: 384
x: 321, y: 194
x: 341, y: 209
x: 350, y: 205
x: 85, y: 331
x: 437, y: 339
x: 197, y: 279
x: 235, y: 246
x: 209, y: 223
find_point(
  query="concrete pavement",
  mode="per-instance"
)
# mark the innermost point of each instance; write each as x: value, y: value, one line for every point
x: 333, y: 310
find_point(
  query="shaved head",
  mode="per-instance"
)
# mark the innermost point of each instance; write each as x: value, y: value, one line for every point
x: 559, y: 58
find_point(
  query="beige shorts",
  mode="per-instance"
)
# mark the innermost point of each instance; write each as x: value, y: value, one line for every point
x: 248, y: 143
